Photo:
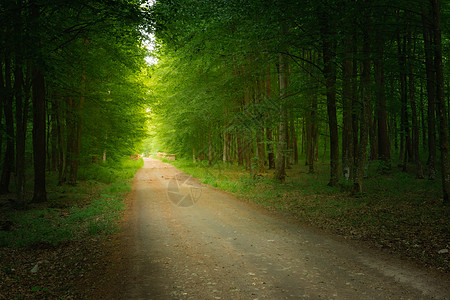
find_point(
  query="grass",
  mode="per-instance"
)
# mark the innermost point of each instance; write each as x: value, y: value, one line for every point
x: 396, y: 211
x: 90, y: 208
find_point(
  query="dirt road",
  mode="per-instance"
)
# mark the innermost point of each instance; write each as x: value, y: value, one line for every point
x: 184, y: 241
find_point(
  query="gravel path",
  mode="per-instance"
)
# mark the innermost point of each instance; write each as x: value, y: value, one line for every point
x: 182, y: 240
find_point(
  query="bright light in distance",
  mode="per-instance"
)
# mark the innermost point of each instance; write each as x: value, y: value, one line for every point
x: 149, y: 42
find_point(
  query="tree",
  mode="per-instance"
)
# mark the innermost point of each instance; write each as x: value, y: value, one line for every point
x: 440, y: 101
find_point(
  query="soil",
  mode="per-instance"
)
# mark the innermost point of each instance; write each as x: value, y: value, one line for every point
x: 181, y: 240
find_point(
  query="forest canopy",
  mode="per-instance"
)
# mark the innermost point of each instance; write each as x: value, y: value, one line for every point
x: 260, y: 83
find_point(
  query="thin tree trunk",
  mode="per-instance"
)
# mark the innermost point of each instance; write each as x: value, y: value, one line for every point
x: 2, y: 102
x: 356, y: 107
x: 303, y: 136
x: 71, y: 136
x: 404, y: 123
x: 347, y: 96
x: 431, y: 95
x: 260, y: 145
x: 412, y: 99
x: 54, y: 134
x: 325, y: 138
x: 373, y: 136
x: 311, y: 131
x: 280, y: 162
x: 441, y: 109
x: 240, y: 155
x: 60, y: 141
x: 269, y: 138
x: 20, y: 132
x: 422, y: 118
x: 383, y: 137
x: 8, y: 162
x: 230, y: 148
x: 364, y: 128
x: 224, y: 153
x: 270, y: 154
x: 292, y: 141
x: 329, y: 71
x: 295, y: 142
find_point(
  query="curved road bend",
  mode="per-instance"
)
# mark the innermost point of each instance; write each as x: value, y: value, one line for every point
x: 222, y: 248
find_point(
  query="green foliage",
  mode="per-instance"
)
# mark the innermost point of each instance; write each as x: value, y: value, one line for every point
x: 111, y: 171
x: 49, y: 226
x: 75, y: 212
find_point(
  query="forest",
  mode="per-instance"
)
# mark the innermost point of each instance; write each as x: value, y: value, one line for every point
x: 261, y: 83
x: 333, y: 113
x: 72, y: 90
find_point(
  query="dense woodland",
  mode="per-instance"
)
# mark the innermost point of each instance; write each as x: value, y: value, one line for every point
x: 72, y: 89
x: 248, y: 82
x: 262, y: 83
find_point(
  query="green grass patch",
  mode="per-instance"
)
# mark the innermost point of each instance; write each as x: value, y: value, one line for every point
x: 90, y: 208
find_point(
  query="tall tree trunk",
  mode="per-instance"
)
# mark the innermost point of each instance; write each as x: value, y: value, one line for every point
x: 441, y: 109
x: 60, y: 142
x: 383, y: 137
x: 356, y: 106
x: 311, y: 117
x: 329, y: 72
x: 270, y: 154
x: 71, y: 137
x: 21, y: 113
x: 288, y: 158
x: 295, y: 143
x: 361, y: 155
x: 39, y: 138
x: 347, y: 96
x: 8, y: 162
x: 404, y: 122
x: 414, y: 121
x: 54, y: 135
x: 431, y: 94
x: 240, y: 154
x: 422, y: 118
x: 39, y: 115
x: 2, y: 101
x: 280, y: 162
x: 311, y: 134
x: 303, y: 136
x: 260, y: 145
x: 373, y: 136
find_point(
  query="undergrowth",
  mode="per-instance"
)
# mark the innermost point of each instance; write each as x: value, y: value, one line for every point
x: 90, y: 208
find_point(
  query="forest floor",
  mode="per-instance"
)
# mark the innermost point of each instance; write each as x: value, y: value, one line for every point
x: 210, y: 245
